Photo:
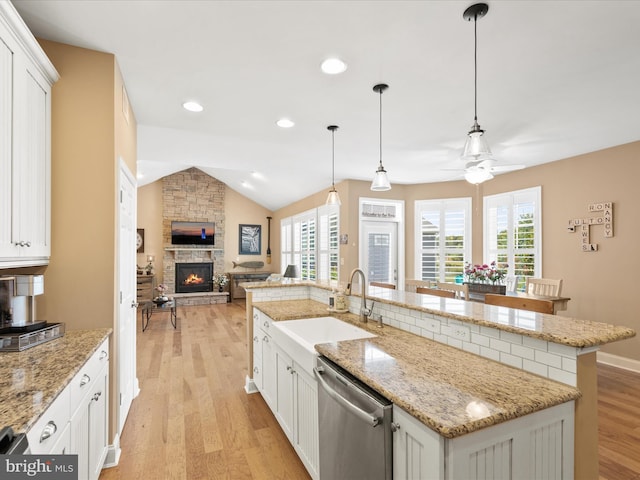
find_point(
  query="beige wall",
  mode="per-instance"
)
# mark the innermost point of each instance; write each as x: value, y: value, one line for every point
x: 592, y: 280
x: 89, y: 136
x: 238, y: 210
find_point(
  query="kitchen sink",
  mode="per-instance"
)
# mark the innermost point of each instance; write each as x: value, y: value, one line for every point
x: 301, y: 335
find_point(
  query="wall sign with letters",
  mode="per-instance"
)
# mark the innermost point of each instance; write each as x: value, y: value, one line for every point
x: 583, y: 225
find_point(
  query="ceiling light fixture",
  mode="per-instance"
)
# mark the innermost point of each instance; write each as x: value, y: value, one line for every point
x: 192, y: 106
x: 333, y: 66
x: 333, y: 198
x: 477, y: 174
x: 476, y: 147
x: 285, y: 123
x: 380, y: 181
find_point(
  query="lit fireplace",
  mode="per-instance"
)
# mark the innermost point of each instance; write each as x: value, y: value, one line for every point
x: 194, y: 277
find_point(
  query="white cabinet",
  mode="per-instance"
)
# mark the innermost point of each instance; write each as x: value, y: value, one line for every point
x: 418, y: 451
x: 289, y: 390
x: 26, y: 76
x: 77, y: 421
x: 539, y: 445
x: 89, y: 414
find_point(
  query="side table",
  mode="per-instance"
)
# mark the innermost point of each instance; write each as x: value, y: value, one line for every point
x: 149, y: 307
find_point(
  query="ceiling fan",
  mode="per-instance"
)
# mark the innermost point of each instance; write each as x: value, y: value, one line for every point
x: 482, y: 170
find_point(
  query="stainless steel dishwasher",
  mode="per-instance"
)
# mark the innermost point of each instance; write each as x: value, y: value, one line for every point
x: 355, y: 427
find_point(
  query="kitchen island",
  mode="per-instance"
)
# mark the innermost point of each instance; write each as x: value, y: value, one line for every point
x: 558, y: 348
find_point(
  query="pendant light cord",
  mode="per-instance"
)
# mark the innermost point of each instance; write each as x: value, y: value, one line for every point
x: 475, y: 68
x: 381, y: 127
x: 333, y: 158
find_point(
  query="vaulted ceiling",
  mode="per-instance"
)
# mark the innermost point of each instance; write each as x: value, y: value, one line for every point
x: 555, y: 79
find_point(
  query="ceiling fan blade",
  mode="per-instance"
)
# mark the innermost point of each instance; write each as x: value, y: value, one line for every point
x: 506, y: 168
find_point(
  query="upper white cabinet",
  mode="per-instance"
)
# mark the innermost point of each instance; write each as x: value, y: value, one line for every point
x: 26, y: 77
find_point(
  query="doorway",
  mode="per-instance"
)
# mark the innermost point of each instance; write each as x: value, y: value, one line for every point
x: 381, y: 254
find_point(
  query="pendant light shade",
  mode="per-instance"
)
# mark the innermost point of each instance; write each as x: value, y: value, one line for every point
x: 476, y: 147
x: 333, y: 198
x: 380, y: 181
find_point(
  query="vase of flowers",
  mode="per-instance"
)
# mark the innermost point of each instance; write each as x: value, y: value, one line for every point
x: 220, y: 279
x: 162, y: 297
x: 486, y: 278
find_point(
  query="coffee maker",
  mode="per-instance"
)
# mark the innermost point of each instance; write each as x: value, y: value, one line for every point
x: 18, y: 302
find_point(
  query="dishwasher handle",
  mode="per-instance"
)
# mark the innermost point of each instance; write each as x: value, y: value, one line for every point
x: 357, y: 411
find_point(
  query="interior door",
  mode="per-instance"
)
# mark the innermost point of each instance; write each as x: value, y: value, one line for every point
x: 380, y: 251
x: 126, y: 341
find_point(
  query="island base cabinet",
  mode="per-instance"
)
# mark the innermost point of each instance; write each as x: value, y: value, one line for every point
x: 539, y: 445
x: 418, y: 451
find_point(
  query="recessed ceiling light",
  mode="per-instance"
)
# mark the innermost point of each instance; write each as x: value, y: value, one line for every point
x: 333, y: 66
x: 285, y: 123
x: 193, y: 106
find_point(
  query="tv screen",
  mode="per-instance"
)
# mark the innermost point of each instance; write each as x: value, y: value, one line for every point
x: 193, y: 233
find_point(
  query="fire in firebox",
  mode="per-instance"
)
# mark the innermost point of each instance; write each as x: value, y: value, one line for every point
x: 193, y: 279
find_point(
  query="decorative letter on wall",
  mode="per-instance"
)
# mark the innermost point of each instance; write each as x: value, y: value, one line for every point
x: 583, y: 224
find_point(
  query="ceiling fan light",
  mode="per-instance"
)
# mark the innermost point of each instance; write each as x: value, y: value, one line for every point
x: 477, y: 175
x: 333, y: 198
x: 380, y: 181
x: 476, y: 147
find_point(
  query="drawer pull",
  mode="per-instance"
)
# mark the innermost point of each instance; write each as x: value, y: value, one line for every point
x: 265, y: 339
x: 266, y: 324
x: 103, y: 355
x: 255, y: 339
x: 255, y: 370
x: 84, y: 380
x: 255, y: 316
x: 96, y: 396
x: 48, y: 430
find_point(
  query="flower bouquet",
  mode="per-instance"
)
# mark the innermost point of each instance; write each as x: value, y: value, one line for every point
x: 220, y: 279
x: 161, y: 298
x: 486, y: 278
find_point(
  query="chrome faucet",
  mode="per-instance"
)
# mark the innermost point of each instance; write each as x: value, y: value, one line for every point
x: 364, y: 311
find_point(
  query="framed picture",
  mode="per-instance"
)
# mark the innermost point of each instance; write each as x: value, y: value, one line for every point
x: 250, y: 239
x: 140, y: 240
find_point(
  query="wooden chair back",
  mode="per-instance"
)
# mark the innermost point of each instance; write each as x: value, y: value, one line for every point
x: 531, y: 304
x: 436, y: 291
x: 543, y: 286
x: 382, y: 284
x: 511, y: 282
x: 460, y: 291
x: 411, y: 285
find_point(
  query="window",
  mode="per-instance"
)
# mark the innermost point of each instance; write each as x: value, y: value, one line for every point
x: 310, y: 241
x: 443, y: 238
x: 512, y: 232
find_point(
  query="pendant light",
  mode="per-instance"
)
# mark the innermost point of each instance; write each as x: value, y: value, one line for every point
x: 476, y: 147
x: 380, y: 181
x: 333, y: 198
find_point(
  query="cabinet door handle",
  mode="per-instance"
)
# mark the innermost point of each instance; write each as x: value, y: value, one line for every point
x: 265, y: 339
x: 255, y: 370
x: 290, y: 369
x: 84, y: 380
x: 103, y: 355
x: 395, y: 426
x: 48, y: 430
x: 255, y: 316
x: 96, y: 396
x: 266, y: 324
x: 255, y: 339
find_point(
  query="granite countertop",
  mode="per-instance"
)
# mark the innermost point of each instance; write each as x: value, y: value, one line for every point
x: 451, y: 391
x: 32, y: 379
x: 563, y: 330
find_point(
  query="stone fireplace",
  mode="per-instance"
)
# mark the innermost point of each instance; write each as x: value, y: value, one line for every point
x: 193, y: 196
x: 194, y: 277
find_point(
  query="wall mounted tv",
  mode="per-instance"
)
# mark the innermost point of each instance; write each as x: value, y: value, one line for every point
x: 193, y: 233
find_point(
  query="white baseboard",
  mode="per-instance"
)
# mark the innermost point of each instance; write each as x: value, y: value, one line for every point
x: 113, y: 453
x: 618, y: 361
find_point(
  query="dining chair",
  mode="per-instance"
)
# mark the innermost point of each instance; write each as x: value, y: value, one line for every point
x: 383, y: 285
x: 531, y: 304
x: 511, y: 282
x: 412, y: 284
x: 437, y: 292
x: 460, y: 291
x: 543, y: 286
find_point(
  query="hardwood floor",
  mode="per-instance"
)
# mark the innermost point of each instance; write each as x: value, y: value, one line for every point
x: 193, y: 419
x: 618, y: 423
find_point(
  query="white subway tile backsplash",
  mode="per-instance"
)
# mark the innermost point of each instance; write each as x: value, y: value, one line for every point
x: 500, y: 345
x: 490, y: 332
x: 569, y: 365
x: 548, y: 359
x: 534, y: 367
x: 523, y: 352
x: 563, y: 376
x: 471, y: 347
x: 511, y: 360
x: 534, y: 343
x: 490, y: 353
x: 564, y: 350
x: 513, y: 338
x: 480, y: 340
